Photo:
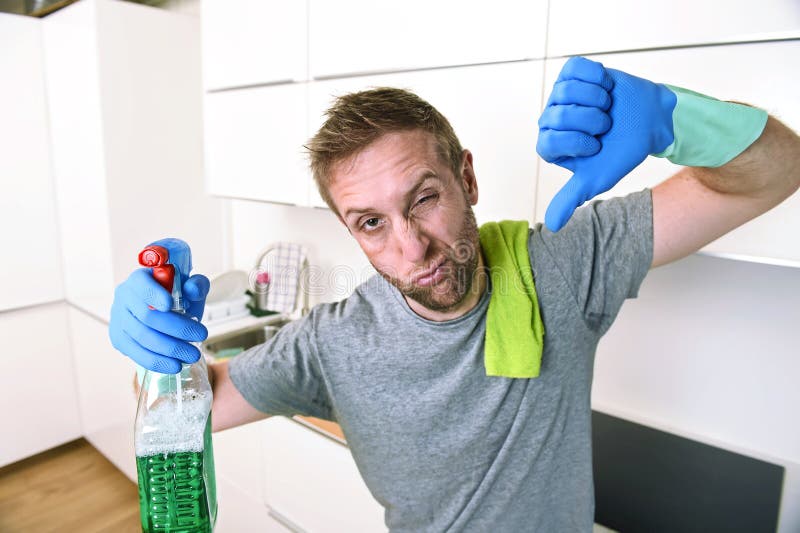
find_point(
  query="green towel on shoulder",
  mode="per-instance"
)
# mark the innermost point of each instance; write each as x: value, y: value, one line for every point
x: 514, y: 328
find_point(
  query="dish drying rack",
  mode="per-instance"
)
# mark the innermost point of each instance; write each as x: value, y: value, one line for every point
x: 288, y: 268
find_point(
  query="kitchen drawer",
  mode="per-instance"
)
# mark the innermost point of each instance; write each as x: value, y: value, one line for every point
x: 254, y: 144
x: 586, y: 26
x: 250, y: 42
x: 38, y: 395
x: 352, y: 37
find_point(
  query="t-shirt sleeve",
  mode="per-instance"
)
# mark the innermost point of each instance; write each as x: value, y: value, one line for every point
x: 604, y: 253
x: 282, y: 376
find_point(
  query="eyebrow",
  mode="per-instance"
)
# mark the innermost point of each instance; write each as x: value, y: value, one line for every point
x: 411, y: 192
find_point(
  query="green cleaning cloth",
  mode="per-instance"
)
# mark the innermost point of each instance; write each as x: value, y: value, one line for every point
x: 514, y: 327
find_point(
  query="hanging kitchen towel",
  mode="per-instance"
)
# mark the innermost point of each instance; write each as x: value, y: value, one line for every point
x: 284, y: 261
x: 514, y: 327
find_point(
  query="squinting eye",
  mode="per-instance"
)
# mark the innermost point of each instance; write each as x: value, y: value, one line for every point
x: 425, y: 198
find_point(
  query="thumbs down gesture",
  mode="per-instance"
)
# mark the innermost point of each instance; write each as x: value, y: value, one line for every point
x: 600, y: 123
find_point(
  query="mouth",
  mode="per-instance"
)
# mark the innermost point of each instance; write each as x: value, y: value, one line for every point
x: 433, y: 275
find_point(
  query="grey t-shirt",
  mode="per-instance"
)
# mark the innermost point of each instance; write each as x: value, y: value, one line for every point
x: 439, y: 444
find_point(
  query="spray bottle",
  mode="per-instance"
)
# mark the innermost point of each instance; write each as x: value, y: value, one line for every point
x: 172, y: 435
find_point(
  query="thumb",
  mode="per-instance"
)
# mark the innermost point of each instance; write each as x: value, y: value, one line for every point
x: 195, y: 290
x: 571, y: 196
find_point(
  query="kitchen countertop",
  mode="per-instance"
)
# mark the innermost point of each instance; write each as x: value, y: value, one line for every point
x: 220, y: 328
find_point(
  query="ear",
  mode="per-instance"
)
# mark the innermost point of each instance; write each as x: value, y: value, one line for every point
x: 468, y: 180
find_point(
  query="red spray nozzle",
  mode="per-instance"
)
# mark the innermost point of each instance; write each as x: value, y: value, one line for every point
x: 157, y: 257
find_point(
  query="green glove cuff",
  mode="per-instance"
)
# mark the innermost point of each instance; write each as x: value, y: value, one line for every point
x: 708, y: 132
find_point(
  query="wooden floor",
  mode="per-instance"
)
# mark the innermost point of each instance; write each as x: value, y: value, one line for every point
x: 69, y: 488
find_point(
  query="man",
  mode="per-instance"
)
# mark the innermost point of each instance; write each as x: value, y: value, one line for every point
x: 400, y: 363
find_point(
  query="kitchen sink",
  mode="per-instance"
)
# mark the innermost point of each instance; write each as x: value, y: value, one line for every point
x: 232, y: 343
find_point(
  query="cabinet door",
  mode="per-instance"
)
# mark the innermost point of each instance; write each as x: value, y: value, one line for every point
x: 79, y: 153
x: 313, y: 482
x: 31, y: 271
x: 249, y: 42
x: 353, y: 37
x: 243, y: 512
x: 239, y: 458
x: 753, y: 73
x: 493, y: 110
x: 254, y: 143
x: 40, y: 408
x: 587, y: 26
x: 105, y: 391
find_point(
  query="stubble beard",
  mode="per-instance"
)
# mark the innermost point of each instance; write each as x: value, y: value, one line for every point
x: 459, y: 270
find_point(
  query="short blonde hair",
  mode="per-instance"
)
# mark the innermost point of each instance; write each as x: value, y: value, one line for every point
x: 358, y: 119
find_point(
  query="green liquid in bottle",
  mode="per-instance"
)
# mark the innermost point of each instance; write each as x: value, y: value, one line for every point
x: 172, y: 493
x: 210, y: 470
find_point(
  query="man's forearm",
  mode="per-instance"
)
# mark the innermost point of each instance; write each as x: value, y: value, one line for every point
x: 700, y: 204
x: 229, y: 409
x: 767, y: 171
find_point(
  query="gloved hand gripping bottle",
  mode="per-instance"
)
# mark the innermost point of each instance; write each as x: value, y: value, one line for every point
x: 174, y: 455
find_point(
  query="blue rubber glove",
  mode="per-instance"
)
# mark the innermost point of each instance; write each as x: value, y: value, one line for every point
x: 600, y: 123
x: 157, y: 339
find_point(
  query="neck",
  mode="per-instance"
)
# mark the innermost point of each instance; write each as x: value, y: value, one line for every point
x: 470, y: 300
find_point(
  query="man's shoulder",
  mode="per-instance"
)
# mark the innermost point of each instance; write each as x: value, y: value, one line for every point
x: 602, y: 232
x: 602, y: 216
x: 365, y: 303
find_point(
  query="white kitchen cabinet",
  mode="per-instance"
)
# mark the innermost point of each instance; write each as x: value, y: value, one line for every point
x: 755, y: 73
x: 243, y: 512
x: 254, y: 143
x: 73, y: 93
x: 239, y: 461
x: 587, y: 26
x: 353, y: 37
x: 493, y: 110
x: 239, y: 457
x: 125, y: 102
x: 104, y: 379
x: 313, y: 482
x: 249, y: 42
x: 40, y: 408
x: 31, y: 266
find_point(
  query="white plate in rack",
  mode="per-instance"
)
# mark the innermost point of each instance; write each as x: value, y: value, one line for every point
x: 227, y: 299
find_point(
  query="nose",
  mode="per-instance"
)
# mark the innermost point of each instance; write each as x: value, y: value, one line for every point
x: 413, y: 243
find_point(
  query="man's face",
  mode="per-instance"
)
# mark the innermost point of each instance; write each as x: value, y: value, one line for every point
x: 412, y: 217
